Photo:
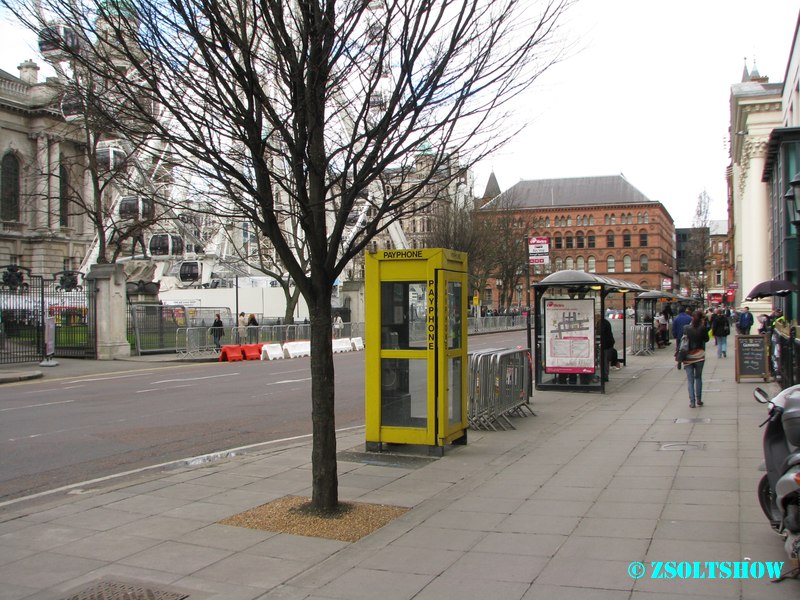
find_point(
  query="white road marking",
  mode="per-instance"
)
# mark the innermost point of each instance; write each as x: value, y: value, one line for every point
x: 36, y: 405
x: 196, y: 378
x: 195, y: 460
x: 110, y: 377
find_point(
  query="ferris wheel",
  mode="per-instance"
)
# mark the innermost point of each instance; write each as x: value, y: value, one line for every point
x: 137, y: 176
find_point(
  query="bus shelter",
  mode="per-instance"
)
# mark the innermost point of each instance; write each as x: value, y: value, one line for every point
x: 647, y: 306
x: 569, y: 308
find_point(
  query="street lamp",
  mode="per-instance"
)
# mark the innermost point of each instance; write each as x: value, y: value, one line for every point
x: 792, y: 197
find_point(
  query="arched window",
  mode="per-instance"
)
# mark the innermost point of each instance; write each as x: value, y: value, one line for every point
x: 613, y: 219
x: 607, y: 220
x: 559, y: 264
x: 591, y: 220
x: 569, y: 221
x: 592, y: 264
x: 644, y: 263
x: 580, y: 264
x: 611, y: 264
x: 570, y: 263
x: 570, y: 241
x: 579, y: 240
x: 558, y: 242
x: 626, y: 263
x: 638, y: 217
x: 646, y: 218
x: 63, y: 196
x: 547, y: 222
x: 9, y: 188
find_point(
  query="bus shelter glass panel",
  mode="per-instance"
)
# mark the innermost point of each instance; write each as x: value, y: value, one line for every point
x: 404, y: 392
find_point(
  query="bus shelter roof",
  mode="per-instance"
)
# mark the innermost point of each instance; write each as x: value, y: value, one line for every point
x: 582, y: 279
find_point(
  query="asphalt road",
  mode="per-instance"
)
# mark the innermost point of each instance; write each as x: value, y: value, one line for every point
x: 61, y: 430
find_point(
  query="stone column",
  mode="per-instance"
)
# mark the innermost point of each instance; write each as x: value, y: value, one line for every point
x: 755, y: 218
x: 111, y: 306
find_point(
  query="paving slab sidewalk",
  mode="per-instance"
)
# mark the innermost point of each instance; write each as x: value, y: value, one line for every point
x: 557, y: 508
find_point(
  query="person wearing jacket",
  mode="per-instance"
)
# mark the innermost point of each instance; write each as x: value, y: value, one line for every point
x: 697, y: 332
x: 678, y: 323
x: 721, y: 329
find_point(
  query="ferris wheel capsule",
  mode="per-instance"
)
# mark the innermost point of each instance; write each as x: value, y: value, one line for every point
x: 110, y: 158
x: 190, y: 270
x: 58, y: 42
x: 136, y: 208
x: 165, y: 244
x: 72, y: 106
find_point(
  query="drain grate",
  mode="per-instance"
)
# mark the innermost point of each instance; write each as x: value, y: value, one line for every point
x: 694, y: 420
x: 682, y: 446
x: 114, y: 590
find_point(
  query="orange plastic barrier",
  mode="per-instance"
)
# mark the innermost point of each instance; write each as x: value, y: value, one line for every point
x: 252, y: 351
x: 231, y: 354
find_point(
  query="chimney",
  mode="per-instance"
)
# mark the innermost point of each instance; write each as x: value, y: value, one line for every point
x: 29, y: 72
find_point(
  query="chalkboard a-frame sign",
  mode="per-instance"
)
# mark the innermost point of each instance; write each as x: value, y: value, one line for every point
x: 752, y: 356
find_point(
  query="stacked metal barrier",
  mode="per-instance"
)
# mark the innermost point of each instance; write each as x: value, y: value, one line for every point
x: 498, y: 383
x: 642, y: 340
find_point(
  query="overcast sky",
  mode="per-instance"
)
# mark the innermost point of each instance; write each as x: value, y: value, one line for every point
x: 646, y: 94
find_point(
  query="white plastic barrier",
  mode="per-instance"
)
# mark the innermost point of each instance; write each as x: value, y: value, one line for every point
x: 271, y: 352
x: 358, y: 343
x: 342, y: 345
x: 297, y: 349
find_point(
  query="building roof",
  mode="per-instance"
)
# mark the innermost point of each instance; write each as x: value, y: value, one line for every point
x: 492, y: 188
x: 573, y: 191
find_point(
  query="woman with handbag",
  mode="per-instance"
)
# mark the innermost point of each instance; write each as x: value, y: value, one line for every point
x: 697, y: 332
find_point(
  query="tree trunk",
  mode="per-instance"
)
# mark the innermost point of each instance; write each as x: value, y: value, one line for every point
x: 325, y: 484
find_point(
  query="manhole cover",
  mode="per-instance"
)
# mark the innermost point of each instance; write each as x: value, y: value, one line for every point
x: 114, y: 590
x: 681, y: 446
x: 694, y: 420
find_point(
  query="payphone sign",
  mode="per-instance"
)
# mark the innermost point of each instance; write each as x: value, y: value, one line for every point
x: 431, y: 321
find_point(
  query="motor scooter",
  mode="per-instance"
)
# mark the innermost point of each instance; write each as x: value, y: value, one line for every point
x: 779, y: 489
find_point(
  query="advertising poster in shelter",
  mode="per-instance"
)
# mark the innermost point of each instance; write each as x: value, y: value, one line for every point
x: 569, y: 336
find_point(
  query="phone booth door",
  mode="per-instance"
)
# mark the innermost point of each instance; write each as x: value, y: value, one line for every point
x: 451, y: 359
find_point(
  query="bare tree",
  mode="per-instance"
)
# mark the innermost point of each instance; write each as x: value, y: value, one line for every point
x: 459, y: 227
x: 315, y: 100
x: 697, y: 253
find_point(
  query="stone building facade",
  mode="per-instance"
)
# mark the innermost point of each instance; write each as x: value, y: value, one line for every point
x: 40, y: 167
x: 601, y: 225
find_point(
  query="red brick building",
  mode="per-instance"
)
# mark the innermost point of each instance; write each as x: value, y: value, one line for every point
x: 600, y: 225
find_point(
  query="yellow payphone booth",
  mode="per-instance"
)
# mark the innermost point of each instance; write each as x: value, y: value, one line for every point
x: 416, y: 348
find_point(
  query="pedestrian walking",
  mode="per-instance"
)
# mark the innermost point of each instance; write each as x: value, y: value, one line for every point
x: 241, y: 328
x: 252, y: 329
x: 697, y: 332
x: 745, y: 321
x: 721, y: 329
x: 217, y: 331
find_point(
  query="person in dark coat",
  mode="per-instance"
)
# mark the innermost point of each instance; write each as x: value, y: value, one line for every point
x: 217, y: 331
x: 609, y: 353
x: 697, y: 332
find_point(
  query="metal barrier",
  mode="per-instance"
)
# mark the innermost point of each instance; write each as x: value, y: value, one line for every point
x: 784, y: 356
x: 497, y: 323
x: 642, y: 340
x: 498, y: 388
x: 198, y: 342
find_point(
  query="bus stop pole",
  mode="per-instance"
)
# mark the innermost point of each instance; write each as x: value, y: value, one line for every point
x: 530, y: 344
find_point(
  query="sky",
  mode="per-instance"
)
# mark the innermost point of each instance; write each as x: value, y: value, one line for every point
x: 644, y: 92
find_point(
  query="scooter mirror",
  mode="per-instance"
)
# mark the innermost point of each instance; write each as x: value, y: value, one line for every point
x: 760, y: 395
